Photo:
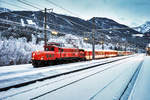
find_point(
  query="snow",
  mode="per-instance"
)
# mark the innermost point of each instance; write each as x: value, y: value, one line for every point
x: 148, y: 45
x: 108, y: 37
x: 68, y: 21
x: 144, y: 28
x: 141, y: 89
x: 31, y: 22
x: 22, y: 22
x: 47, y: 26
x: 137, y: 35
x: 11, y: 75
x: 102, y: 83
x: 16, y: 51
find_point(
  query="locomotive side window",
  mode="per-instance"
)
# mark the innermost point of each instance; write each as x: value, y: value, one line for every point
x: 51, y: 49
x: 59, y: 50
x: 47, y: 49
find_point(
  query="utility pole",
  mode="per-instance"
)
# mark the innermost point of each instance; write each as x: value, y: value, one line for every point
x: 93, y: 40
x: 45, y: 24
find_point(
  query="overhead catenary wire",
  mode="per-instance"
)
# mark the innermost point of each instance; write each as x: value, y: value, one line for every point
x: 51, y: 2
x: 17, y: 23
x: 55, y: 14
x: 64, y: 26
x: 91, y: 22
x: 62, y: 17
x: 96, y: 30
x: 34, y: 4
x: 29, y: 4
x: 69, y: 20
x: 12, y: 4
x: 67, y: 10
x: 41, y: 21
x: 38, y: 20
x: 20, y: 24
x: 74, y: 22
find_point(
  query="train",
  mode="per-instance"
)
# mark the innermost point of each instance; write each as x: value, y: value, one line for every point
x: 148, y: 50
x: 55, y: 52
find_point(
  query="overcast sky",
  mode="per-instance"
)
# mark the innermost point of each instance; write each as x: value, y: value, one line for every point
x: 128, y: 12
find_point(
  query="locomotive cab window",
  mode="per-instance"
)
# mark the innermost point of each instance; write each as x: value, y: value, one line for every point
x: 50, y: 49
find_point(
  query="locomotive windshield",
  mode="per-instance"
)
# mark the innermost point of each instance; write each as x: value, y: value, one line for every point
x: 49, y: 49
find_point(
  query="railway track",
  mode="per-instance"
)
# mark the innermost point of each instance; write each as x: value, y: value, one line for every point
x: 125, y: 94
x: 67, y: 73
x: 100, y: 71
x: 63, y: 86
x: 60, y: 74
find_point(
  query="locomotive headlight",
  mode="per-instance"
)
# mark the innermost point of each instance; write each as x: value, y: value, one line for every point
x: 42, y: 58
x: 33, y: 54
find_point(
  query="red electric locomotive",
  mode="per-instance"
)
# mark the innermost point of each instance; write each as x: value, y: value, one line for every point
x: 54, y: 53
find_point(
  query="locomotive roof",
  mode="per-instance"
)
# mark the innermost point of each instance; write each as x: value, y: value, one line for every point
x: 53, y: 43
x: 98, y: 50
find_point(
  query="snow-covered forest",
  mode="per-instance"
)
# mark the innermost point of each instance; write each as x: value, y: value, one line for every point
x: 18, y: 51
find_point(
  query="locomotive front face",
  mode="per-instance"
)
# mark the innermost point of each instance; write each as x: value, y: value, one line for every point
x: 37, y: 55
x: 43, y: 55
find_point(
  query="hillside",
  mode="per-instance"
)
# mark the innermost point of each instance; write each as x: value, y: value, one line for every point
x: 25, y: 30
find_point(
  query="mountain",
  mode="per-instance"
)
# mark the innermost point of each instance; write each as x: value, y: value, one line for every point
x: 26, y: 23
x: 4, y: 10
x: 23, y: 32
x: 145, y: 28
x: 31, y: 22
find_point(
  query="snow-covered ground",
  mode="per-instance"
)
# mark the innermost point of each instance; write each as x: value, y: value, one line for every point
x: 141, y: 88
x: 106, y: 82
x: 16, y: 74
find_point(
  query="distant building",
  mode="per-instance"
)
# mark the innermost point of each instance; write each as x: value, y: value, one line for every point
x: 137, y: 35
